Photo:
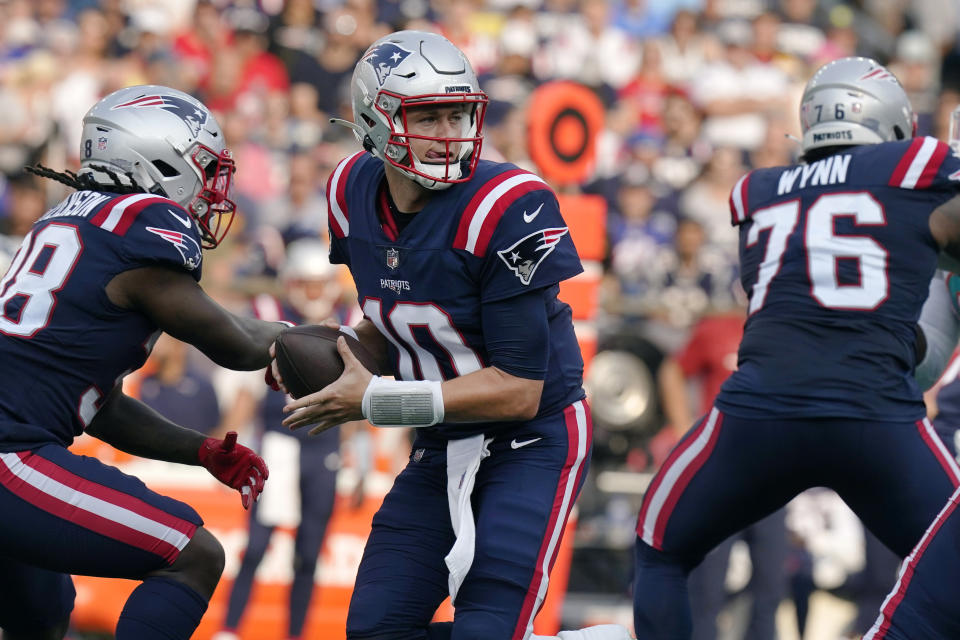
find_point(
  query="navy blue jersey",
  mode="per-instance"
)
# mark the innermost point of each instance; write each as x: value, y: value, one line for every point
x: 836, y: 257
x: 494, y: 237
x: 63, y: 344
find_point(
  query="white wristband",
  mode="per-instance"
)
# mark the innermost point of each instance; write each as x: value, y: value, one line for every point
x: 403, y: 403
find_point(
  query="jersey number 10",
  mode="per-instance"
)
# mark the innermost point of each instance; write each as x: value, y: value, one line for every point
x: 824, y: 249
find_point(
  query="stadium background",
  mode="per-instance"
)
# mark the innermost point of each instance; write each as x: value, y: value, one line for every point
x: 641, y: 113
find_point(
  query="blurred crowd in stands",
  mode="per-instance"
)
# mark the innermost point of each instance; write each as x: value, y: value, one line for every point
x: 696, y: 92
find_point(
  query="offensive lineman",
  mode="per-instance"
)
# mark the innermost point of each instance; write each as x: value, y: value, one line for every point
x: 837, y: 255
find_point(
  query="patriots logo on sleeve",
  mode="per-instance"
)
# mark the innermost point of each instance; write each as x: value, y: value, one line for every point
x: 525, y: 256
x: 385, y: 58
x: 185, y: 244
x: 193, y: 116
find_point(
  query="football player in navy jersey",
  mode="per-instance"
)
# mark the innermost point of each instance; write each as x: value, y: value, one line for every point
x: 457, y: 263
x: 836, y: 255
x: 923, y: 601
x: 95, y: 281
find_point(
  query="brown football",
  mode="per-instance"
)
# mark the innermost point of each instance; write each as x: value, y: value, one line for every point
x: 308, y: 359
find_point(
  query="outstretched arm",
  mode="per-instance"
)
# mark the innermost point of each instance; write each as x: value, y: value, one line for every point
x: 131, y: 426
x: 176, y: 303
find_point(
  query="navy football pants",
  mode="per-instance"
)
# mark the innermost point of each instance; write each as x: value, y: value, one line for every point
x: 521, y: 502
x: 728, y: 472
x: 67, y: 514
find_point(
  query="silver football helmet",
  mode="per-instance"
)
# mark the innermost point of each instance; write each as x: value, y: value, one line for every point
x: 854, y: 101
x: 410, y: 69
x: 167, y: 142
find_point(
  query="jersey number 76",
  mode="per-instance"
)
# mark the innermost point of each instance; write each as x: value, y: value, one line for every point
x: 824, y: 249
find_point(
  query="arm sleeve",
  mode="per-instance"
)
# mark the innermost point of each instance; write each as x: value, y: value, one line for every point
x: 940, y: 325
x: 517, y: 334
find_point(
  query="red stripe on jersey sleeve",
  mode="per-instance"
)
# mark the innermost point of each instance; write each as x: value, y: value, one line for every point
x: 471, y: 209
x: 499, y: 208
x: 332, y: 223
x: 897, y: 178
x: 741, y: 189
x: 933, y: 166
x: 131, y: 213
x: 341, y: 194
x: 101, y: 216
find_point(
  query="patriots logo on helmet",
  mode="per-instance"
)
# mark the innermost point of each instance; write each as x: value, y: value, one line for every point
x: 525, y: 256
x: 185, y: 244
x: 192, y: 115
x: 385, y: 58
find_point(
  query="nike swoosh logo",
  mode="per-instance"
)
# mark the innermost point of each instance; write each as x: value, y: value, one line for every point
x: 516, y: 445
x: 184, y: 221
x: 528, y: 217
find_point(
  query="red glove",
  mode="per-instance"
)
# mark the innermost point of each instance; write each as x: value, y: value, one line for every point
x: 269, y: 379
x: 235, y: 466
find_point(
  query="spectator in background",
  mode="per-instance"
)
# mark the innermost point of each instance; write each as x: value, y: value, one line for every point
x: 583, y: 51
x: 27, y: 125
x: 683, y: 152
x: 637, y: 232
x: 179, y: 390
x: 802, y: 25
x: 301, y: 210
x: 645, y: 92
x: 24, y: 204
x: 304, y: 467
x: 246, y: 66
x: 706, y: 198
x: 329, y: 68
x: 685, y: 49
x: 736, y: 91
x: 917, y: 63
x: 295, y: 31
x: 197, y: 46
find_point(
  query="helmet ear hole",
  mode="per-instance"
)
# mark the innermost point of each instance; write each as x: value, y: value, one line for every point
x: 165, y: 169
x: 897, y: 131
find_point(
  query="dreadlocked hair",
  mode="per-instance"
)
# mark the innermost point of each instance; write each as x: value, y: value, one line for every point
x: 87, y: 182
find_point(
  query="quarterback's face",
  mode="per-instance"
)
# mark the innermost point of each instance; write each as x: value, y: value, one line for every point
x: 440, y: 122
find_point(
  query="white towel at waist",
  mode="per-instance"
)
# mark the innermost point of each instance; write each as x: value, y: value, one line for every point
x: 463, y: 462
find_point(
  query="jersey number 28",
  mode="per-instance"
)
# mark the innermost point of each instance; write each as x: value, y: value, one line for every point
x: 824, y: 249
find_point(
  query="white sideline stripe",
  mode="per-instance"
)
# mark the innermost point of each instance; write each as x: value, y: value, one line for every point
x: 113, y: 218
x: 673, y: 474
x: 919, y: 163
x: 332, y: 196
x: 563, y: 513
x: 91, y: 504
x: 483, y: 209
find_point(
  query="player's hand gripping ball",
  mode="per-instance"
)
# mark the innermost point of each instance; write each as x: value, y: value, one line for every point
x: 308, y: 360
